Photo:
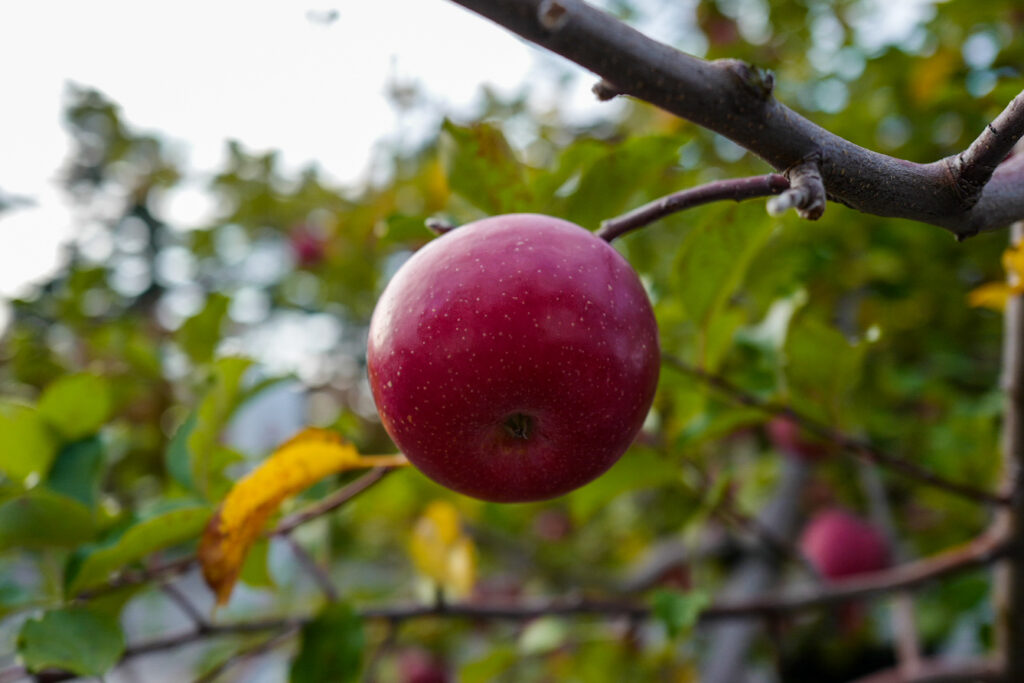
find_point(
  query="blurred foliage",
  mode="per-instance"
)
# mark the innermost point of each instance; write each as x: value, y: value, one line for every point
x: 121, y: 375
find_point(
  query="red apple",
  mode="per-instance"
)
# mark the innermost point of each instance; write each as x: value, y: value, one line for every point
x: 419, y: 666
x: 790, y: 438
x: 839, y: 544
x: 309, y: 246
x: 514, y: 358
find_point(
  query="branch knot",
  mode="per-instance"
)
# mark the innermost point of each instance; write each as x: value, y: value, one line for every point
x: 552, y: 14
x: 806, y: 191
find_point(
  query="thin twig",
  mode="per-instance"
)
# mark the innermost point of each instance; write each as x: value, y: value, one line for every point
x: 736, y: 189
x: 185, y: 605
x: 312, y: 568
x: 248, y: 653
x: 331, y: 502
x: 775, y: 543
x: 857, y: 447
x: 183, y: 564
x: 135, y: 577
x: 171, y: 642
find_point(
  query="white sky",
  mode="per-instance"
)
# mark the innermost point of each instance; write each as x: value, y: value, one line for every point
x: 200, y: 73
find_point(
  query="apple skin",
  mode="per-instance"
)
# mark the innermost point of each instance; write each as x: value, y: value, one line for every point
x: 308, y: 247
x: 515, y: 358
x: 839, y: 544
x: 420, y: 666
x: 790, y: 438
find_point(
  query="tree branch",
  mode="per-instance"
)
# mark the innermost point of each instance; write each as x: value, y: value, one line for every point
x: 975, y: 165
x: 728, y: 644
x: 285, y: 526
x: 735, y: 100
x: 806, y: 192
x: 331, y: 502
x: 857, y: 447
x: 185, y: 605
x: 1009, y: 592
x: 941, y: 671
x: 247, y: 653
x: 318, y: 574
x: 978, y: 553
x: 736, y: 189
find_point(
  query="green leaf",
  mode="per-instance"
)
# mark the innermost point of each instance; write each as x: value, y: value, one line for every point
x: 26, y: 445
x: 255, y: 570
x: 200, y: 334
x: 212, y: 416
x: 822, y: 366
x: 714, y: 258
x: 77, y: 471
x: 609, y: 183
x: 44, y: 519
x: 399, y: 228
x: 542, y: 636
x: 331, y: 647
x: 74, y: 639
x: 15, y: 597
x: 76, y: 405
x: 712, y: 426
x: 492, y: 667
x: 678, y: 611
x: 639, y: 468
x: 94, y: 566
x: 177, y: 458
x: 484, y: 170
x: 718, y: 336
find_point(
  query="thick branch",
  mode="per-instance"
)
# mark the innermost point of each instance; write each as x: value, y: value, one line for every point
x: 736, y: 189
x: 857, y: 447
x: 1009, y: 606
x: 974, y: 166
x: 735, y: 100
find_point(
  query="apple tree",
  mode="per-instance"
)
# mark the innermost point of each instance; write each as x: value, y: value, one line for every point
x: 197, y: 483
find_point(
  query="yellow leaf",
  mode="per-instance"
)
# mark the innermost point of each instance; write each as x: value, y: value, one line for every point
x: 441, y: 551
x: 462, y: 567
x: 990, y: 295
x: 297, y: 464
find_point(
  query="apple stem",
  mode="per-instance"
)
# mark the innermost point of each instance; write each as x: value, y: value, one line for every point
x: 439, y: 226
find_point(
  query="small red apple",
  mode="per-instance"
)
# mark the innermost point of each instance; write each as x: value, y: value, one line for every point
x: 552, y: 525
x: 514, y: 358
x: 839, y: 544
x: 309, y: 246
x: 790, y: 438
x: 419, y: 666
